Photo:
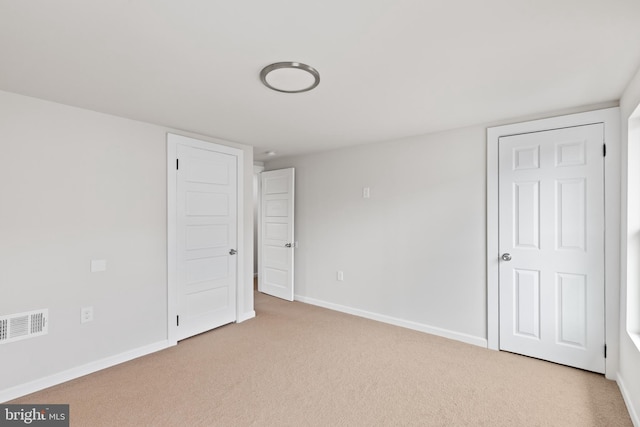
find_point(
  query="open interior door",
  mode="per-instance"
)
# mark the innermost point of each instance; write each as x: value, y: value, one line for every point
x: 277, y: 245
x: 204, y: 236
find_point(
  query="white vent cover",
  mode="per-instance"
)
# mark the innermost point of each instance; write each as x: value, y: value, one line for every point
x: 23, y: 325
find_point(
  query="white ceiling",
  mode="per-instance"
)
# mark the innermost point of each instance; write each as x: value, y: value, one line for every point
x: 388, y: 69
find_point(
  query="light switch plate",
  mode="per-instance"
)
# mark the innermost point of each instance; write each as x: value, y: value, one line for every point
x: 98, y: 265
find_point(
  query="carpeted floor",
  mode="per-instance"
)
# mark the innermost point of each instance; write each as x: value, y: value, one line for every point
x: 300, y: 365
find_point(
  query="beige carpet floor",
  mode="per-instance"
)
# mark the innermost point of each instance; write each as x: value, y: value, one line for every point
x: 300, y: 365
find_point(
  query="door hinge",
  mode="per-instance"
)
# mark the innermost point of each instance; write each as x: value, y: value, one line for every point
x: 177, y: 164
x: 177, y: 320
x: 605, y: 351
x: 604, y: 150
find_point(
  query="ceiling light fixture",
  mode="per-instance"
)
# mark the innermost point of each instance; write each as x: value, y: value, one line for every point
x: 290, y: 77
x: 270, y: 153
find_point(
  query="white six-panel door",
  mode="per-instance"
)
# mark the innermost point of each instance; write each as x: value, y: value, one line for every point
x: 551, y: 193
x: 277, y: 241
x: 206, y: 238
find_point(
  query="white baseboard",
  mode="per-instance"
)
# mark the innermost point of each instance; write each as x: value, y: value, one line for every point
x: 246, y: 316
x: 469, y: 339
x: 635, y: 419
x: 80, y: 371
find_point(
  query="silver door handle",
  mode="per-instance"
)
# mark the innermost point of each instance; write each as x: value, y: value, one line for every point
x: 506, y: 257
x: 288, y: 245
x: 233, y: 252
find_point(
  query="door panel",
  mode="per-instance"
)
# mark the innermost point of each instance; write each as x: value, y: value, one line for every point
x: 551, y: 193
x: 526, y: 214
x: 527, y: 303
x: 572, y: 309
x: 277, y: 240
x: 571, y: 214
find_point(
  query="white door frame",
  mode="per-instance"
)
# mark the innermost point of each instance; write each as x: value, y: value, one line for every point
x: 257, y: 170
x: 172, y: 283
x: 611, y: 119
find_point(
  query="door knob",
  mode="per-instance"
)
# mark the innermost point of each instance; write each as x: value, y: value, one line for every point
x: 506, y: 257
x: 233, y: 252
x: 288, y: 245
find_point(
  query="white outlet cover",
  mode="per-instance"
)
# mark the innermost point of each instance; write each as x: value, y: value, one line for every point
x: 86, y: 314
x: 98, y: 265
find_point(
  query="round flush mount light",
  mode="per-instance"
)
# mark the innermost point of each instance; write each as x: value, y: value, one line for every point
x: 270, y: 153
x: 290, y: 77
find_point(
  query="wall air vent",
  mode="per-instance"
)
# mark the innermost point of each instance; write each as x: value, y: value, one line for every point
x: 20, y: 326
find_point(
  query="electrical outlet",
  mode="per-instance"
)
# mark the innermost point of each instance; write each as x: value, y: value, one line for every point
x: 86, y: 314
x: 366, y: 192
x: 340, y: 276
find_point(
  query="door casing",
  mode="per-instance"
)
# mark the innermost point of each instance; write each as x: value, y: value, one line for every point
x: 257, y: 203
x: 172, y: 284
x: 610, y: 117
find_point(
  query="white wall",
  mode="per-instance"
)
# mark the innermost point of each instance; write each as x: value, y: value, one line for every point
x: 414, y: 254
x: 77, y: 185
x: 629, y: 370
x: 416, y: 250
